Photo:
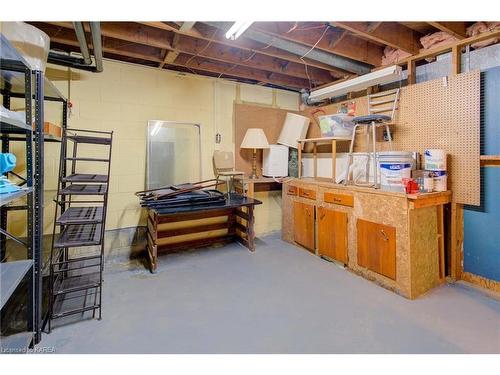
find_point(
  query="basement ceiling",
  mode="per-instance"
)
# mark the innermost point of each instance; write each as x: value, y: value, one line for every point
x: 289, y: 55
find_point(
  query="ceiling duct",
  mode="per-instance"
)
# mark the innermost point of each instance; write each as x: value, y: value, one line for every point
x: 331, y: 59
x: 85, y: 62
x: 82, y: 41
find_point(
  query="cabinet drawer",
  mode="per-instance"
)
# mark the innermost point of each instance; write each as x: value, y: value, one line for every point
x: 307, y: 193
x: 291, y: 190
x: 336, y: 198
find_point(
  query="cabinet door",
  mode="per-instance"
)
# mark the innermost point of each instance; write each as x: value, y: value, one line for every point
x: 377, y: 247
x: 332, y: 234
x: 303, y: 224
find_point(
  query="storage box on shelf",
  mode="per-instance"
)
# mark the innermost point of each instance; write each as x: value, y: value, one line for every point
x: 394, y: 239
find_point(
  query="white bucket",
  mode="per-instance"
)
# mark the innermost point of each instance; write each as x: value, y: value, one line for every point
x: 440, y: 180
x: 435, y: 160
x: 393, y: 166
x: 337, y: 125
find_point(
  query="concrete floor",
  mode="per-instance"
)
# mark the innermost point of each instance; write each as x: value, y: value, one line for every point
x: 279, y: 299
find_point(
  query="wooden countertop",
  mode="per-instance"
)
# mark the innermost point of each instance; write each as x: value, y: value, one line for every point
x: 423, y: 199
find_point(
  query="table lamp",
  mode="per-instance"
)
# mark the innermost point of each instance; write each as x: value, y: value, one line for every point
x: 254, y: 139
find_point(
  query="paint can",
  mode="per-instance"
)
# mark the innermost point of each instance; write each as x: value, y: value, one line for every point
x: 435, y: 160
x: 440, y: 180
x: 393, y: 166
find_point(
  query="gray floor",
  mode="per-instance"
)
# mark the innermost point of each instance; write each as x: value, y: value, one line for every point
x: 279, y: 299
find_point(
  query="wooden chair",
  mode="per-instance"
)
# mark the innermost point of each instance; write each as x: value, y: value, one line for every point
x: 224, y: 167
x: 384, y: 102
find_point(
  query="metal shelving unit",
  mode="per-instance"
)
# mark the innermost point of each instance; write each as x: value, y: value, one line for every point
x: 17, y: 80
x: 15, y: 72
x: 76, y: 269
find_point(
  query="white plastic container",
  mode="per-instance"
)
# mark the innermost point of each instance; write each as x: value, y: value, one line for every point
x: 435, y: 160
x: 32, y: 43
x: 440, y: 180
x: 393, y: 166
x: 275, y: 161
x: 337, y: 125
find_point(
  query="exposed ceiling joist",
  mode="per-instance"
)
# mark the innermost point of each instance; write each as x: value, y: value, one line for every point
x: 299, y: 49
x: 214, y: 35
x: 334, y: 41
x: 387, y: 33
x: 457, y: 29
x: 170, y: 56
x: 190, y: 61
x: 217, y: 51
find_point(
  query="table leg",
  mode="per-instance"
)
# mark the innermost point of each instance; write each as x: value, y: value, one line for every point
x: 250, y: 189
x: 300, y: 158
x: 250, y: 230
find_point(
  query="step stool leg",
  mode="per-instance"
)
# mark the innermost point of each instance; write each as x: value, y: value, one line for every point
x: 374, y: 150
x: 389, y: 136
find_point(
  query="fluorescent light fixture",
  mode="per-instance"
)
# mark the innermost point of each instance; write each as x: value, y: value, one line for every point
x: 378, y: 77
x: 237, y: 29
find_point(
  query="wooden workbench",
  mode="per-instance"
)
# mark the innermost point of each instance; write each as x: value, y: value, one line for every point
x: 174, y: 229
x: 394, y: 239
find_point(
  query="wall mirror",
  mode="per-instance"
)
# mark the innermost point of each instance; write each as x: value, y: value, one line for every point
x: 173, y: 153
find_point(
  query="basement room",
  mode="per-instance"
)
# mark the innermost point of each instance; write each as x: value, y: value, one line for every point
x: 287, y: 179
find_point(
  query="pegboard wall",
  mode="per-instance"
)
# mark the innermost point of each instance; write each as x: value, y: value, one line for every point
x: 442, y: 113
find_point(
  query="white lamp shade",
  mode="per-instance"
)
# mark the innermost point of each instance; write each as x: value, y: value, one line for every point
x: 294, y: 128
x: 255, y: 138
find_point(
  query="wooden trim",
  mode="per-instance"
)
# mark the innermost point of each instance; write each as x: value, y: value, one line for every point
x: 457, y: 29
x: 189, y: 230
x: 456, y: 250
x: 432, y: 200
x: 490, y: 160
x: 456, y: 60
x: 481, y: 281
x: 440, y: 50
x: 242, y: 214
x: 195, y: 243
x: 193, y: 215
x: 391, y: 34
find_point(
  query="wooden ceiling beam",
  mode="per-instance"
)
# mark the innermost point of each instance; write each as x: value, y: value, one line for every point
x: 240, y: 71
x: 170, y: 56
x: 457, y: 29
x: 208, y: 33
x: 153, y: 54
x: 133, y: 33
x: 334, y: 41
x: 216, y: 51
x: 387, y: 33
x: 250, y: 59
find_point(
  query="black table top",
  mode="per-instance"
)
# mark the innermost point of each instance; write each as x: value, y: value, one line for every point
x: 233, y: 200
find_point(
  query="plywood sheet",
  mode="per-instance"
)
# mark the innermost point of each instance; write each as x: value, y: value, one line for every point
x: 442, y: 113
x: 253, y: 116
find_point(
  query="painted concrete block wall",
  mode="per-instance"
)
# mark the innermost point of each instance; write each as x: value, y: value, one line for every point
x: 123, y: 98
x: 482, y: 225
